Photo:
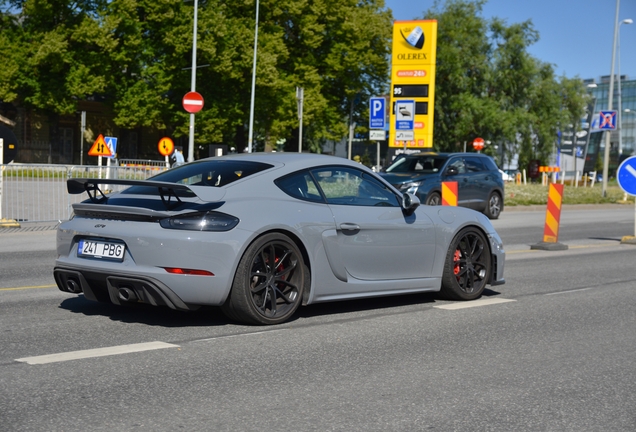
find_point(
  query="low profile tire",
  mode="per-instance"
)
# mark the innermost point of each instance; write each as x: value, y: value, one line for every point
x: 493, y: 206
x: 269, y: 283
x: 467, y: 266
x: 434, y: 199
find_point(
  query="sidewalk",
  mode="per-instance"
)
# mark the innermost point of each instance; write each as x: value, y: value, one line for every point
x: 29, y: 236
x: 10, y: 226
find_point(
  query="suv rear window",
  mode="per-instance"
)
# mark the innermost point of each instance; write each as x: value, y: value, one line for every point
x: 424, y: 164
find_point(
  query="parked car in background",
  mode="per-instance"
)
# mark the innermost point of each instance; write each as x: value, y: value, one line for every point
x: 505, y: 176
x: 479, y: 182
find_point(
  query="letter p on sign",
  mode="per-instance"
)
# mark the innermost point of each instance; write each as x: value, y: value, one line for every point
x: 377, y: 113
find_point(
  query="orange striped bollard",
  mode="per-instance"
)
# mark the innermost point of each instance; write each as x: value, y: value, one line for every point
x: 552, y: 220
x: 449, y: 193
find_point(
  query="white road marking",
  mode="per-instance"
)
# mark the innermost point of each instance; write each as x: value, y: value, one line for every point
x: 98, y: 352
x: 569, y: 291
x: 239, y: 335
x: 474, y: 303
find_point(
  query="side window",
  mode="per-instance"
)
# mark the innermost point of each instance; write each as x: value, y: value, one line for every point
x: 348, y: 186
x: 490, y: 164
x: 300, y: 185
x: 474, y: 164
x: 459, y: 164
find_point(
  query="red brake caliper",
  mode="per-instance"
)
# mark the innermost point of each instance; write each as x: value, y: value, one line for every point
x: 456, y: 259
x: 277, y: 265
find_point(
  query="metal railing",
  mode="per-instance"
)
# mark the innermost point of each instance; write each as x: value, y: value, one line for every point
x: 37, y: 192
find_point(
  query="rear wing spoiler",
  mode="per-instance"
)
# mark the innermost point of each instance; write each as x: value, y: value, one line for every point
x: 167, y: 190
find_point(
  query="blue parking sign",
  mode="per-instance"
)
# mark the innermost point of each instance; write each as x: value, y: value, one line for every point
x: 377, y: 113
x: 626, y: 175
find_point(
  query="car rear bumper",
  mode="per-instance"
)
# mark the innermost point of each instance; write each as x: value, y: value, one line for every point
x: 118, y: 289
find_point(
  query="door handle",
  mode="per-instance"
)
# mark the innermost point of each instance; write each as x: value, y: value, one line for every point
x: 349, y: 226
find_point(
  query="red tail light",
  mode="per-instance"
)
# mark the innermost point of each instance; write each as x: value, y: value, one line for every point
x: 192, y: 272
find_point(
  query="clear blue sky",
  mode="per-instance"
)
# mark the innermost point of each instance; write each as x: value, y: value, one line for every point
x: 576, y: 36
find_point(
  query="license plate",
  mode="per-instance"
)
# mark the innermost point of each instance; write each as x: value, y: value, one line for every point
x: 101, y: 249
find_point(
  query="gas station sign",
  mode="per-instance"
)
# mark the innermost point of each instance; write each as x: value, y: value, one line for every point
x: 413, y: 80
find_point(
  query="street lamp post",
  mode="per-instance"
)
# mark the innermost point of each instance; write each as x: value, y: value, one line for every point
x: 193, y: 82
x: 300, y: 97
x: 619, y: 125
x: 251, y: 131
x: 606, y: 153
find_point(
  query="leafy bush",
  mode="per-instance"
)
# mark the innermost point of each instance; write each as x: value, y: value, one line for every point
x: 537, y: 194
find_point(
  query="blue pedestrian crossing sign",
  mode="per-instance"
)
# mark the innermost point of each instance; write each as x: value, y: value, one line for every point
x: 626, y: 175
x: 377, y: 113
x: 111, y: 142
x: 607, y: 120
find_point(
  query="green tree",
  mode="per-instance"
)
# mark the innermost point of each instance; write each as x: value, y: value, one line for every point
x: 56, y: 49
x: 135, y: 55
x: 488, y: 85
x: 463, y: 74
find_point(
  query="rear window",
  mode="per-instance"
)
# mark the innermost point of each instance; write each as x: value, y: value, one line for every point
x: 212, y: 173
x: 422, y: 164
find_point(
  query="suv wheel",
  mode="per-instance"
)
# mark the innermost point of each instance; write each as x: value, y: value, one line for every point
x: 493, y: 206
x: 434, y: 199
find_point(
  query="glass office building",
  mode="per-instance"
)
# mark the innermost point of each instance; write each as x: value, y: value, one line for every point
x: 624, y: 146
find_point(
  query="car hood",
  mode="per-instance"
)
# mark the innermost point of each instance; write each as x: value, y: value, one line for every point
x: 398, y: 178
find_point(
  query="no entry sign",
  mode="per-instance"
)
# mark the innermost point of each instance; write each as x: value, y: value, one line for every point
x: 193, y: 102
x: 478, y: 144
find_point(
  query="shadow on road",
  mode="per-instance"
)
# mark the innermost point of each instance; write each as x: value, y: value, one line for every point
x: 212, y: 316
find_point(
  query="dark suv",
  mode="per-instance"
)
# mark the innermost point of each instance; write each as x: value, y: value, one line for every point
x: 479, y: 182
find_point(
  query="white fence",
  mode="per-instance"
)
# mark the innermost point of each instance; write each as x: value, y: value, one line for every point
x: 37, y: 193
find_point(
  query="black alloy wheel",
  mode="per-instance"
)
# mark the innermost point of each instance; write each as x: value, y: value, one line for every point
x: 467, y: 267
x: 269, y: 283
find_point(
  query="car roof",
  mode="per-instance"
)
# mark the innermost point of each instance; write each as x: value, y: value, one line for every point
x: 446, y: 154
x: 289, y: 159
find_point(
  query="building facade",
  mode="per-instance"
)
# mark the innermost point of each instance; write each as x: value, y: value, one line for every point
x: 623, y: 139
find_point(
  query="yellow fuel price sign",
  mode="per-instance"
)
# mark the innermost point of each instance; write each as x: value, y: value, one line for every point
x: 413, y: 78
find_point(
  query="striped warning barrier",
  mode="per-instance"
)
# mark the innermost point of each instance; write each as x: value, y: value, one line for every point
x: 552, y: 220
x: 549, y: 169
x: 449, y: 193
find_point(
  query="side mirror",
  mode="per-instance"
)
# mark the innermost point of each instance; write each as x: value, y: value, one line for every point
x: 452, y: 171
x: 409, y: 203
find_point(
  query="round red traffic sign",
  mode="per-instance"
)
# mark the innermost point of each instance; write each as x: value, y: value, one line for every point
x: 478, y: 144
x: 193, y: 102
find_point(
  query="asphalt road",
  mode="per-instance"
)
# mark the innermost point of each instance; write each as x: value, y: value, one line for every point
x: 554, y: 349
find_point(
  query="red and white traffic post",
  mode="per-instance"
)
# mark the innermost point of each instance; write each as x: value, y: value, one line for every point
x: 192, y: 103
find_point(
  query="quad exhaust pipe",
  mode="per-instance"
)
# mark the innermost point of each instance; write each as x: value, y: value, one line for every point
x: 126, y: 294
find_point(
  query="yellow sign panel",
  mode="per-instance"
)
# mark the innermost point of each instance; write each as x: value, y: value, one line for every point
x: 413, y: 79
x: 100, y: 148
x: 166, y: 146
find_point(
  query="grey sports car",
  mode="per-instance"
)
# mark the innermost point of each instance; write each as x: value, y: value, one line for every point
x: 261, y: 234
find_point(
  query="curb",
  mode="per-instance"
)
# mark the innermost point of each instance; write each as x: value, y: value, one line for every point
x: 564, y: 207
x: 628, y: 240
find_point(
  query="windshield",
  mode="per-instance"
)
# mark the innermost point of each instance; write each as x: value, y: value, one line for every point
x: 426, y: 164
